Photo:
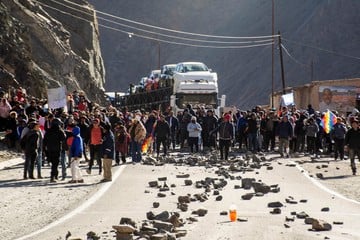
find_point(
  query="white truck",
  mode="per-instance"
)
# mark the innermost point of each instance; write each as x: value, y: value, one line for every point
x: 195, y: 84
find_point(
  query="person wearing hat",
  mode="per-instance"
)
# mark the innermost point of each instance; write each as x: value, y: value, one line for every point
x: 338, y: 135
x: 194, y: 129
x: 226, y: 135
x: 75, y: 153
x: 30, y: 144
x: 352, y: 142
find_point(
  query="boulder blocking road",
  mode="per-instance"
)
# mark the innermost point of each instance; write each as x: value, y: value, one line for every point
x: 282, y: 197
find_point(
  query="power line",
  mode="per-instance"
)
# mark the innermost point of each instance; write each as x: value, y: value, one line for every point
x: 171, y: 30
x: 161, y: 34
x: 156, y: 39
x: 291, y: 57
x: 322, y: 49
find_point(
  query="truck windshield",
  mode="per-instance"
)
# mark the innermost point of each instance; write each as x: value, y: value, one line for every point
x: 197, y: 100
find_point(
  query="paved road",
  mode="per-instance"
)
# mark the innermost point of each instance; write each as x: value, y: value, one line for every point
x: 126, y: 197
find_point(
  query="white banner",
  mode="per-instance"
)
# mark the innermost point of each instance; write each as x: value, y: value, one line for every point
x: 57, y: 97
x: 287, y: 100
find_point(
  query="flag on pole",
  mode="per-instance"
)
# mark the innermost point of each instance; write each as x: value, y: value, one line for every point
x: 328, y: 121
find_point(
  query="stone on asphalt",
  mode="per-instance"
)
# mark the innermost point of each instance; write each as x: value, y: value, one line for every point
x: 159, y: 236
x: 183, y: 175
x: 276, y: 211
x: 302, y: 215
x: 162, y: 179
x: 153, y: 184
x: 325, y: 209
x: 163, y: 216
x: 218, y: 198
x: 246, y: 183
x: 129, y: 221
x: 124, y: 228
x: 223, y: 213
x: 275, y: 204
x: 321, y: 225
x: 319, y: 175
x: 308, y: 220
x: 161, y: 195
x: 247, y: 196
x: 156, y: 204
x: 188, y: 182
x: 161, y: 225
x: 184, y: 199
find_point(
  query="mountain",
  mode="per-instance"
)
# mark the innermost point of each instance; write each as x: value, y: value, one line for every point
x: 321, y: 33
x: 46, y: 46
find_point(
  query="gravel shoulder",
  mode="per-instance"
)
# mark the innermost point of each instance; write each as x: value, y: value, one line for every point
x: 29, y: 205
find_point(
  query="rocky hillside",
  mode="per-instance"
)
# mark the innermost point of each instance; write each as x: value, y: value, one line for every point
x: 244, y: 74
x: 44, y: 48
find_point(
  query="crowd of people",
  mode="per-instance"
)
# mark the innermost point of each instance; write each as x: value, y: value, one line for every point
x: 87, y: 131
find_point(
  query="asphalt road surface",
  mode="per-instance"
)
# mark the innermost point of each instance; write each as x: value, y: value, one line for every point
x: 129, y: 195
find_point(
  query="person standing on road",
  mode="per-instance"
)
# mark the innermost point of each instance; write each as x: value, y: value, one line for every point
x: 226, y: 135
x: 108, y: 152
x: 95, y: 144
x: 352, y: 141
x: 338, y: 135
x: 137, y: 133
x: 284, y: 131
x: 209, y: 124
x: 194, y: 129
x: 30, y: 144
x: 122, y: 139
x: 161, y: 134
x: 53, y: 142
x: 174, y: 127
x: 75, y: 153
x: 311, y: 132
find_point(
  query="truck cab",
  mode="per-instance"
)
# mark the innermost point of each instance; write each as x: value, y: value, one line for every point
x: 195, y: 84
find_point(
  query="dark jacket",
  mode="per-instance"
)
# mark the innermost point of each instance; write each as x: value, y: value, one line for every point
x: 174, y: 123
x: 352, y: 139
x: 76, y: 148
x: 284, y: 130
x: 54, y: 139
x: 226, y: 131
x: 339, y: 131
x: 162, y: 130
x: 31, y: 141
x: 108, y: 145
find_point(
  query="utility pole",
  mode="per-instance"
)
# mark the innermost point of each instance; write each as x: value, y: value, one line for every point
x: 312, y: 70
x: 158, y: 54
x: 272, y: 53
x: 282, y: 65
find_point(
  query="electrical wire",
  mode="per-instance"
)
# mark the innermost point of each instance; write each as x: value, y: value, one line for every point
x: 156, y: 39
x: 321, y: 49
x: 171, y: 30
x: 164, y: 35
x: 294, y: 59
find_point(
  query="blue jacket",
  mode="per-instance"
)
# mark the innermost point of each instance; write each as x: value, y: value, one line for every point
x: 108, y: 145
x: 76, y: 148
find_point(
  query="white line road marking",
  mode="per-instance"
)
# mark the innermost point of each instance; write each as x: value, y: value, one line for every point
x: 81, y: 208
x: 323, y: 187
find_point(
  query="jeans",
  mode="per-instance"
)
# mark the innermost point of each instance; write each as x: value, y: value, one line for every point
x: 63, y: 163
x: 136, y: 151
x: 339, y: 148
x: 253, y: 142
x: 352, y: 154
x: 95, y: 153
x: 224, y: 146
x: 283, y: 145
x: 39, y: 162
x: 54, y: 158
x: 193, y: 141
x: 29, y: 164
